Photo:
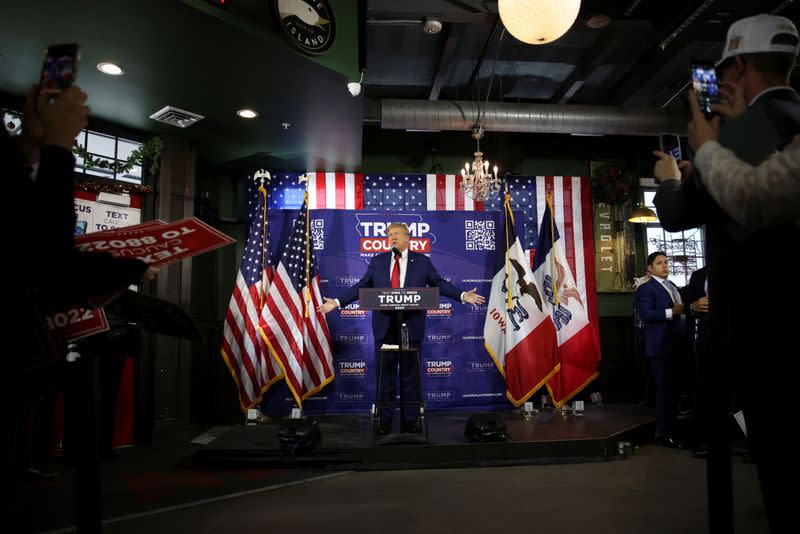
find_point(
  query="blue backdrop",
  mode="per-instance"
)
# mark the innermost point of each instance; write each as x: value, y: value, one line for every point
x: 457, y: 370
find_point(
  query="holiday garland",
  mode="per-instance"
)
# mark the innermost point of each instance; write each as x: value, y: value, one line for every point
x: 150, y: 151
x: 98, y: 186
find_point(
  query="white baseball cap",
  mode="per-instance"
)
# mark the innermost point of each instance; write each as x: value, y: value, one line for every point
x: 758, y: 34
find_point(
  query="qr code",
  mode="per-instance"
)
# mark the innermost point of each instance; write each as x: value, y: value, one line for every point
x: 479, y: 235
x: 318, y: 233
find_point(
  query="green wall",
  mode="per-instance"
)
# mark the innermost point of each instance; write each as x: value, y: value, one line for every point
x: 256, y: 16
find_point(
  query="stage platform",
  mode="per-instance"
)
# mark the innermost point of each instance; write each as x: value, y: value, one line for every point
x: 347, y: 441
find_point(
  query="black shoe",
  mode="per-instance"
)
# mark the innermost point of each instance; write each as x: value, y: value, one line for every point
x: 672, y: 443
x: 410, y: 429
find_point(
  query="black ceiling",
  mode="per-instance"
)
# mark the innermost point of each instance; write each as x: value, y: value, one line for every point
x: 621, y: 63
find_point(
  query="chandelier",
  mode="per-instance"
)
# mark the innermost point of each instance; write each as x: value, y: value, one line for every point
x: 476, y: 180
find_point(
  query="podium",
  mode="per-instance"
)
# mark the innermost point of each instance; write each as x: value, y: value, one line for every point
x: 397, y: 301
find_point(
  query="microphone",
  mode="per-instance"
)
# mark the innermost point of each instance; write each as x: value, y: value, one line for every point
x: 396, y: 252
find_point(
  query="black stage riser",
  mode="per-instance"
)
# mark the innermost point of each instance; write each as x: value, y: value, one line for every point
x: 348, y: 443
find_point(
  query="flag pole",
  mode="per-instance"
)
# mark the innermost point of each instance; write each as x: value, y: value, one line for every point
x: 508, y: 214
x: 307, y: 291
x: 549, y: 199
x: 264, y: 177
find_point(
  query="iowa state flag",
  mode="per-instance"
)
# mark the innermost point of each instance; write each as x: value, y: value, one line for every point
x: 519, y: 332
x: 578, y: 353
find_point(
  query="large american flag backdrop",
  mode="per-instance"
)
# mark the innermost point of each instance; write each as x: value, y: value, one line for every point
x: 439, y: 192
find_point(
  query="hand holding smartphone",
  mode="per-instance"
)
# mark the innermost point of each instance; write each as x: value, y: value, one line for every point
x: 704, y: 82
x: 671, y: 145
x: 59, y: 68
x: 59, y: 110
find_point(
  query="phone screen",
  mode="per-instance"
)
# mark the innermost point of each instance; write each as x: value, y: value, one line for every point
x: 704, y: 82
x: 59, y: 68
x: 80, y: 227
x: 671, y: 145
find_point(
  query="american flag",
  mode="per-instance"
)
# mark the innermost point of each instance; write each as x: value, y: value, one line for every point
x: 286, y: 191
x: 335, y: 190
x: 522, y: 190
x: 331, y: 190
x: 416, y: 192
x: 297, y: 335
x: 243, y: 349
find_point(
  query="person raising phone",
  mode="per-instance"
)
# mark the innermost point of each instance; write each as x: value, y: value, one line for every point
x: 757, y: 196
x: 758, y: 57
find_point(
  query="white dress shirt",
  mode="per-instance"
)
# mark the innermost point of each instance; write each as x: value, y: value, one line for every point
x: 673, y: 293
x: 403, y: 267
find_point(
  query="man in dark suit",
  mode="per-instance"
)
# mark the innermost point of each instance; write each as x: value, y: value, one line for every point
x: 660, y: 307
x: 696, y: 294
x: 400, y: 268
x: 752, y: 340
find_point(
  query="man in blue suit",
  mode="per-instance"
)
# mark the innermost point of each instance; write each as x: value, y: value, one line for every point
x: 400, y: 268
x: 661, y: 309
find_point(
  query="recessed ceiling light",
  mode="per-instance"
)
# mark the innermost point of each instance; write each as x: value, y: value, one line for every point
x: 247, y: 113
x: 112, y: 69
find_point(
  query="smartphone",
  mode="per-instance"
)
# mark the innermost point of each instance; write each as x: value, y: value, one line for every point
x: 704, y: 82
x: 671, y: 145
x: 59, y: 69
x: 80, y: 227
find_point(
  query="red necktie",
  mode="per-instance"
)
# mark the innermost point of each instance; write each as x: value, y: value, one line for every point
x: 396, y: 271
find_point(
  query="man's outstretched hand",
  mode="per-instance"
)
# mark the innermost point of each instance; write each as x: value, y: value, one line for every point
x: 329, y: 305
x: 471, y: 297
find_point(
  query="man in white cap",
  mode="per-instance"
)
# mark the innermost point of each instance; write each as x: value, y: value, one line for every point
x: 752, y: 319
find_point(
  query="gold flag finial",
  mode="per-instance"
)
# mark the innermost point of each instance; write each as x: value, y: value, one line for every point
x: 261, y: 176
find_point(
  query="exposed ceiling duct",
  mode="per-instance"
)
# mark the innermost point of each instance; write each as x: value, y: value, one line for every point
x: 532, y: 118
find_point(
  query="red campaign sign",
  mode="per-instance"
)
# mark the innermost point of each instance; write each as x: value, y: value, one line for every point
x: 76, y: 323
x: 157, y: 245
x: 143, y: 226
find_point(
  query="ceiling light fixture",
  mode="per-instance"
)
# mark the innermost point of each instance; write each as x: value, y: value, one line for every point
x: 643, y: 215
x: 476, y: 180
x: 247, y: 113
x: 112, y: 69
x: 431, y: 26
x: 538, y: 21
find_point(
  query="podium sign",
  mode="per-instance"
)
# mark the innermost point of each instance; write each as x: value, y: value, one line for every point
x: 397, y: 299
